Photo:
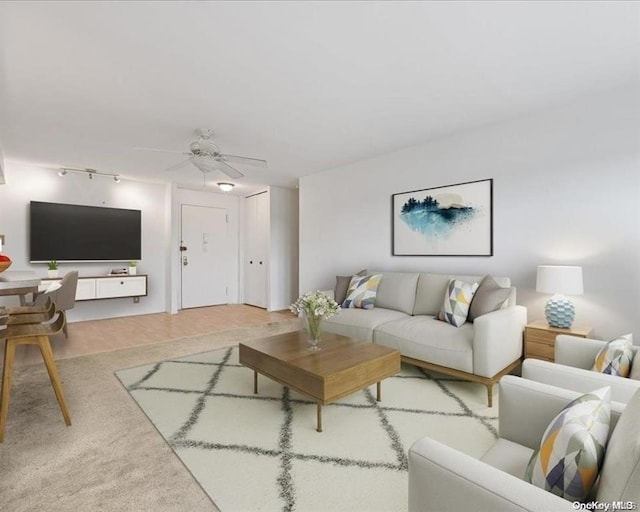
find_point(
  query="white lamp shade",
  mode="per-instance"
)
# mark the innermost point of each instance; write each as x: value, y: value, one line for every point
x: 564, y: 280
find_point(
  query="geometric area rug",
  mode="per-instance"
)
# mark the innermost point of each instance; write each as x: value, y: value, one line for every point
x: 262, y: 452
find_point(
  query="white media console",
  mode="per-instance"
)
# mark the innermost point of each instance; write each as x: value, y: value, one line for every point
x: 108, y: 287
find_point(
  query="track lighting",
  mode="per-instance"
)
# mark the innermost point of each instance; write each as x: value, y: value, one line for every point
x: 226, y: 187
x: 91, y: 172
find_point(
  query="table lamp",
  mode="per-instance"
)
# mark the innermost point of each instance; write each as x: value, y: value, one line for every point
x: 560, y: 281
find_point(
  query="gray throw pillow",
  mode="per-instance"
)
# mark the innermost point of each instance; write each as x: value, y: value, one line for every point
x: 489, y: 297
x: 342, y: 286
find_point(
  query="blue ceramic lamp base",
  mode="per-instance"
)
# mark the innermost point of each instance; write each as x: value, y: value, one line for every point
x: 560, y: 312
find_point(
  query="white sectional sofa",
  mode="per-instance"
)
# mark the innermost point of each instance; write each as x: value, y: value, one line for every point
x: 404, y: 318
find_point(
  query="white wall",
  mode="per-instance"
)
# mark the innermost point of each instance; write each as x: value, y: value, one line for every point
x: 25, y: 184
x: 283, y: 247
x: 566, y: 189
x: 214, y: 200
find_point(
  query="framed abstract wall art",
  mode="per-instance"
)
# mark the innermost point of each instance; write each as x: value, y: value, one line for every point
x: 454, y: 220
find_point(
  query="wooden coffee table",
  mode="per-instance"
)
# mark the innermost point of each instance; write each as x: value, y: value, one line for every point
x: 341, y: 367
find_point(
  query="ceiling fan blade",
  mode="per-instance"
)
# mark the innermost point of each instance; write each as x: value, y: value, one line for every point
x: 162, y: 151
x: 244, y: 160
x: 177, y: 166
x: 228, y: 170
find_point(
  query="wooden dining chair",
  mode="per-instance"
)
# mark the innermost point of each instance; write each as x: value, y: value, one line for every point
x: 63, y: 297
x: 29, y: 334
x: 26, y: 310
x: 32, y: 318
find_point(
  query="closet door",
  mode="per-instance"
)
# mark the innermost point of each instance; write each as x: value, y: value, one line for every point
x: 262, y: 249
x: 255, y: 258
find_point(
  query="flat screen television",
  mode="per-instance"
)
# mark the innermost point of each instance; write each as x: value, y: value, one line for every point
x: 69, y: 232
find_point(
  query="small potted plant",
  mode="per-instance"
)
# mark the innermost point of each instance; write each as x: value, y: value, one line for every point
x: 52, y: 268
x: 133, y: 266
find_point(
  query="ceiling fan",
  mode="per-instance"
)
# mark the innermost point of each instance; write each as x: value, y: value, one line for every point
x: 206, y: 156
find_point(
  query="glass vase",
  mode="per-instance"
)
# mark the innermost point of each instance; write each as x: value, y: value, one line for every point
x: 313, y: 330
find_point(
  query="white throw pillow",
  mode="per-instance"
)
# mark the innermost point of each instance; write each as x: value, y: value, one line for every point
x: 572, y: 448
x: 615, y: 357
x: 362, y: 292
x: 457, y: 300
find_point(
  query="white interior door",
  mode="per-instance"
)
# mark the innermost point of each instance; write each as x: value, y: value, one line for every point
x: 255, y: 260
x: 205, y: 262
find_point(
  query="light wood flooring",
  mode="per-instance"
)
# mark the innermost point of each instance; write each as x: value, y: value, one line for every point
x: 94, y: 336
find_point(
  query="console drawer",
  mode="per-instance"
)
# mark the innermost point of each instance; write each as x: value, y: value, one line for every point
x: 125, y: 286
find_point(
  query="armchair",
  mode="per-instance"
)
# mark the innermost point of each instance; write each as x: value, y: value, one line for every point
x: 574, y: 358
x: 443, y: 479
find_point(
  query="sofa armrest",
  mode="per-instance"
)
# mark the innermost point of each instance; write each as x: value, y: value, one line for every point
x: 497, y: 339
x: 577, y: 352
x: 578, y: 379
x: 444, y: 479
x: 527, y: 407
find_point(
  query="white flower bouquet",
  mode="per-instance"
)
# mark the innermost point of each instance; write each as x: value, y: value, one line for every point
x: 315, y: 306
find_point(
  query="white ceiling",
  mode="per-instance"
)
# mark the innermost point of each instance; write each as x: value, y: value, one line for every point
x: 306, y: 85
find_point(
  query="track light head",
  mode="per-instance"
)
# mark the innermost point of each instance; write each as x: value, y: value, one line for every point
x: 116, y: 178
x: 62, y: 172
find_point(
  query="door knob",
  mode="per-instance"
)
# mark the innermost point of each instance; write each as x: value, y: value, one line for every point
x: 260, y: 263
x: 250, y: 262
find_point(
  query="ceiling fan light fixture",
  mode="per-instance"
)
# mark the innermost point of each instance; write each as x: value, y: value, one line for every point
x: 203, y: 162
x: 226, y: 187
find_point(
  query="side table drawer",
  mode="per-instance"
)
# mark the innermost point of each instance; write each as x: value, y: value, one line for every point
x: 542, y: 337
x: 540, y: 351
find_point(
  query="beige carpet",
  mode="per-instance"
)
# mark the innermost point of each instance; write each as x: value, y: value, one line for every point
x: 112, y: 457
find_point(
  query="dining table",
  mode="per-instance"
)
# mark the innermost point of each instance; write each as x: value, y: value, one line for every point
x: 19, y: 283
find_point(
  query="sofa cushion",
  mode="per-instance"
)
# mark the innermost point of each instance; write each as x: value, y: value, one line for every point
x: 362, y: 292
x: 615, y: 357
x: 359, y: 323
x: 430, y: 290
x: 397, y: 291
x: 342, y: 285
x: 489, y: 296
x: 572, y: 447
x: 620, y: 474
x: 427, y: 339
x: 457, y: 300
x: 509, y: 457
